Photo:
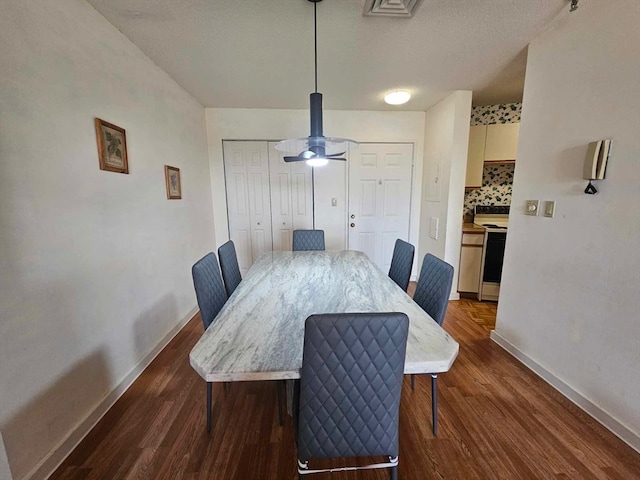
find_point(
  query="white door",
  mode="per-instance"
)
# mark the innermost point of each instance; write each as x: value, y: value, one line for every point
x: 379, y: 198
x: 248, y: 200
x: 290, y: 198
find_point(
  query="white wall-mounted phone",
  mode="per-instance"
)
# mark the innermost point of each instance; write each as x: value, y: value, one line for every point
x: 595, y: 164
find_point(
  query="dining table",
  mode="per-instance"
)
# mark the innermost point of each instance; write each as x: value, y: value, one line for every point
x: 259, y: 333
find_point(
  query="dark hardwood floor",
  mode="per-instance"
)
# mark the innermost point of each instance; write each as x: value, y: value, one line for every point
x: 497, y: 420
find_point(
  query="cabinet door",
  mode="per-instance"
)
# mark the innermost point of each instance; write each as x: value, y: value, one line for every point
x: 475, y: 157
x: 470, y: 264
x: 502, y: 142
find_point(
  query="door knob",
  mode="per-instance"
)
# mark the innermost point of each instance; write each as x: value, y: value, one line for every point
x: 353, y: 225
x: 353, y: 215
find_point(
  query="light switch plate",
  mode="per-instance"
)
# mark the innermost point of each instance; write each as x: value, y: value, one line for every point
x: 549, y: 208
x: 433, y: 227
x: 334, y: 202
x: 531, y: 207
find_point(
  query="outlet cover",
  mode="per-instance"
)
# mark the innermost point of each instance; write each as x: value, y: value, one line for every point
x: 531, y: 207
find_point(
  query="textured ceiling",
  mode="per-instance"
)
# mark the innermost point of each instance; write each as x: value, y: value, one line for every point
x: 259, y: 53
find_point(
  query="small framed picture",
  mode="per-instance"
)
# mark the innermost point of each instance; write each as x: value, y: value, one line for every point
x: 112, y: 147
x: 172, y: 177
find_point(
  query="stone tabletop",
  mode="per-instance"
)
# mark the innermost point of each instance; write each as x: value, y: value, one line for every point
x: 258, y: 334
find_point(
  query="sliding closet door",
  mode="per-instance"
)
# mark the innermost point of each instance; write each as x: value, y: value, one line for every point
x: 291, y: 207
x: 248, y: 199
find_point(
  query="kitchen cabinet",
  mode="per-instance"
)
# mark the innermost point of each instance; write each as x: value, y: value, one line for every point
x: 470, y: 260
x: 475, y: 156
x: 501, y: 142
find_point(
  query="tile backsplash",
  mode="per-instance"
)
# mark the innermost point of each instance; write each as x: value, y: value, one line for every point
x: 490, y: 114
x: 497, y: 180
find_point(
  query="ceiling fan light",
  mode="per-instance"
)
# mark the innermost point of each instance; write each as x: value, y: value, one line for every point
x: 317, y: 162
x: 397, y: 97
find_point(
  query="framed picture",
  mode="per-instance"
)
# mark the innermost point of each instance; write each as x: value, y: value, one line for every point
x: 172, y: 177
x: 112, y: 147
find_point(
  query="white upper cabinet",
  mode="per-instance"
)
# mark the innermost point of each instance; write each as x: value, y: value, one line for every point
x: 501, y: 142
x: 475, y: 157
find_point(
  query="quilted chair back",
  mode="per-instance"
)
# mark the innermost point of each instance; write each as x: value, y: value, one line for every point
x: 350, y: 385
x: 434, y: 287
x: 229, y: 266
x: 308, y: 240
x: 401, y: 263
x: 210, y: 291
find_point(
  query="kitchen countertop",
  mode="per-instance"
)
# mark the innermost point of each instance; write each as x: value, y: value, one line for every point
x: 472, y: 228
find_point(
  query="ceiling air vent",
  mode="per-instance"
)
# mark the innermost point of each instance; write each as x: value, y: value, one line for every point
x: 391, y: 8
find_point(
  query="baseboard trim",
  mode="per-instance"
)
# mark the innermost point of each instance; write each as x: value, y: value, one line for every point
x: 617, y: 428
x: 54, y: 459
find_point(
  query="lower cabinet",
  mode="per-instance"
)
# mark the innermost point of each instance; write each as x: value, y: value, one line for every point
x: 470, y: 262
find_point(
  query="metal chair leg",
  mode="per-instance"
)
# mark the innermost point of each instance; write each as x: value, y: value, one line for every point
x: 393, y: 473
x: 434, y: 402
x: 209, y: 391
x: 412, y: 382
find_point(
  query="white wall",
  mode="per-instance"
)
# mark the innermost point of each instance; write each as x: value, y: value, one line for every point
x: 362, y: 126
x: 569, y: 298
x: 445, y: 166
x: 95, y: 265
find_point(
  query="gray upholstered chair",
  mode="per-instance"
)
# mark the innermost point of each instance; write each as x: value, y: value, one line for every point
x: 348, y: 397
x: 432, y: 294
x: 401, y: 263
x: 211, y: 297
x: 229, y: 266
x: 210, y: 291
x: 308, y: 240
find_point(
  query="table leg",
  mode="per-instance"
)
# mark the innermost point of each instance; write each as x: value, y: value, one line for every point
x: 279, y: 387
x: 434, y: 402
x: 209, y: 388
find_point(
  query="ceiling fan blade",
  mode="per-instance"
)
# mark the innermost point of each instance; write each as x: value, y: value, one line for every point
x: 333, y: 155
x: 294, y: 159
x: 343, y: 159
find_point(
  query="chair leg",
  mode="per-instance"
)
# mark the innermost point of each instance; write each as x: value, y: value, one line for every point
x: 434, y: 402
x: 393, y: 473
x: 279, y: 386
x: 413, y: 387
x: 209, y: 392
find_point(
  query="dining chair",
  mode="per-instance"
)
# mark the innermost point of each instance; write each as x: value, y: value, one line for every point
x: 210, y: 292
x: 401, y: 263
x: 229, y: 266
x: 211, y: 296
x: 308, y: 240
x: 348, y: 397
x: 432, y: 295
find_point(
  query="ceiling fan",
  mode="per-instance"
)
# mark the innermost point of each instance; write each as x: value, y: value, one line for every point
x: 316, y: 149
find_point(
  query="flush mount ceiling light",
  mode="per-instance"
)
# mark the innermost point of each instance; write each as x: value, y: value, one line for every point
x: 316, y: 149
x: 397, y: 97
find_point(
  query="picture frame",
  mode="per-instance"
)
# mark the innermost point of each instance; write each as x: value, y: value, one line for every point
x: 112, y: 147
x: 172, y: 179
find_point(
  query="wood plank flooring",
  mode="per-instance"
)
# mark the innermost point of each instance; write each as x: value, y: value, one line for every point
x: 497, y: 420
